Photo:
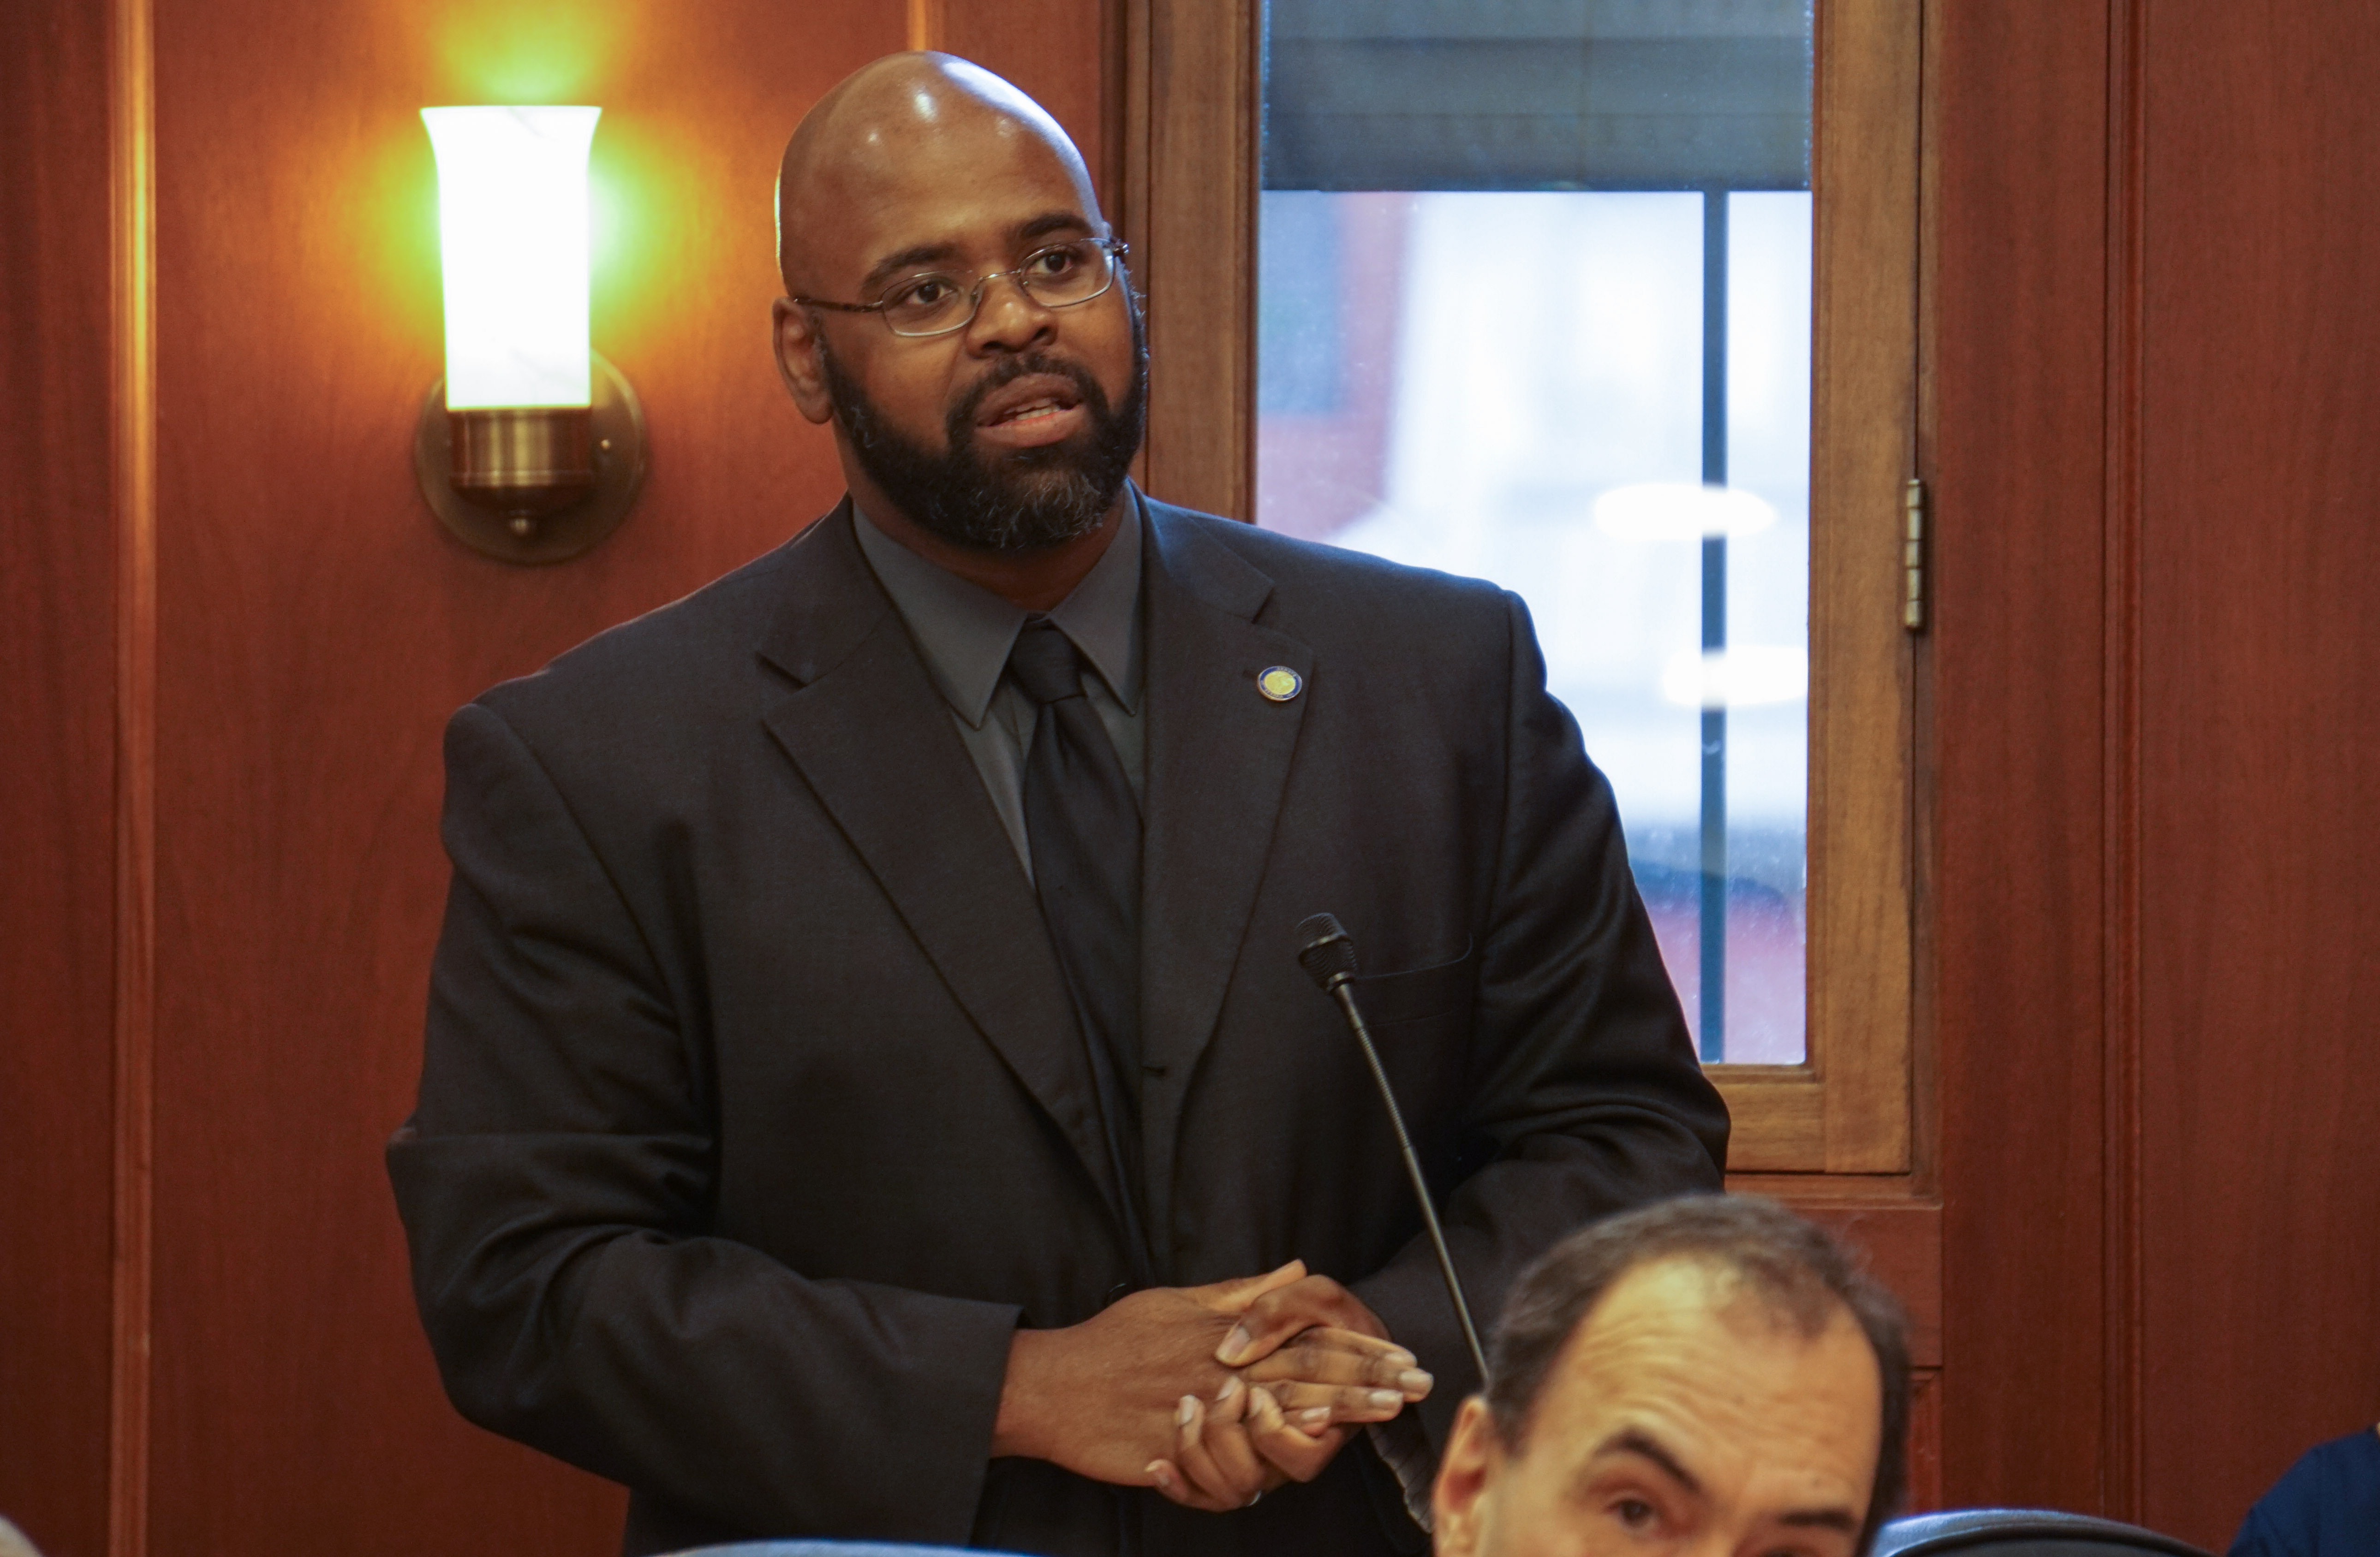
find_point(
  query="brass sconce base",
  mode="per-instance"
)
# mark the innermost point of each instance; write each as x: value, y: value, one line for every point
x: 533, y: 486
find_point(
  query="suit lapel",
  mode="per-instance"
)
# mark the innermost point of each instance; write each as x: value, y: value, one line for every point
x: 1218, y: 758
x: 862, y: 722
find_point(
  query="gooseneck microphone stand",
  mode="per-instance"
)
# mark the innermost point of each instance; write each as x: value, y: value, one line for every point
x: 1328, y: 954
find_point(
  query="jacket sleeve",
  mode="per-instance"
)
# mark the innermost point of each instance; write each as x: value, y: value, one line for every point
x: 555, y: 1183
x: 1586, y: 1096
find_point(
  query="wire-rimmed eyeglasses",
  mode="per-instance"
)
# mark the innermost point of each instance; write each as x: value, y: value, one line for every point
x: 1056, y: 277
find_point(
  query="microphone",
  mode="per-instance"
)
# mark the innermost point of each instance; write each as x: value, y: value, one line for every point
x: 1328, y: 954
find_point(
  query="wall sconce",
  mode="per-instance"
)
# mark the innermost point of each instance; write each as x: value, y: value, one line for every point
x: 532, y: 447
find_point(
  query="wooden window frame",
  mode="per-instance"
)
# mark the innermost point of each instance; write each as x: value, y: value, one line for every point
x: 1191, y: 101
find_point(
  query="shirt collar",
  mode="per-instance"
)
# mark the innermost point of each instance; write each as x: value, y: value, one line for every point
x: 964, y: 632
x: 1102, y: 615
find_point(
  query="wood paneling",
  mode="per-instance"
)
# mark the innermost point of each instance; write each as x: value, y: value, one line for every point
x: 316, y: 626
x: 2152, y: 438
x: 1863, y: 439
x: 1068, y: 54
x: 2120, y: 777
x: 2144, y: 707
x: 312, y: 626
x: 2018, y: 142
x: 1924, y: 1491
x: 1190, y: 173
x: 1849, y: 1111
x: 58, y: 777
x: 2259, y: 696
x: 132, y: 199
x: 1780, y: 1117
x: 2153, y: 386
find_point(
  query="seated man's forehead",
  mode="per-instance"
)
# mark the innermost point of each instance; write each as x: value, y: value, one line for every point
x: 1692, y: 1352
x: 1664, y: 1310
x: 1658, y: 1337
x: 1657, y: 1297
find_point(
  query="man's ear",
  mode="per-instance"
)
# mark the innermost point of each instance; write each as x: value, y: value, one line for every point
x: 1466, y: 1473
x: 795, y: 330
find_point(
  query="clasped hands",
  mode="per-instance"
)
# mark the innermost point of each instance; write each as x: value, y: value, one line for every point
x: 1212, y: 1394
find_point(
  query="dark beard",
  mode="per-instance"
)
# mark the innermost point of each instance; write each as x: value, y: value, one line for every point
x: 1020, y: 500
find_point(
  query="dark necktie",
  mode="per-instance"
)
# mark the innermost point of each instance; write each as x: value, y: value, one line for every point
x: 1083, y: 829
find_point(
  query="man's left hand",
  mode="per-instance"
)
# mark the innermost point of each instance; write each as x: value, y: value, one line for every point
x: 1315, y: 1345
x: 1328, y: 1377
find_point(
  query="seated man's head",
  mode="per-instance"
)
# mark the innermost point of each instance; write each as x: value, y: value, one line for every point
x: 1706, y: 1375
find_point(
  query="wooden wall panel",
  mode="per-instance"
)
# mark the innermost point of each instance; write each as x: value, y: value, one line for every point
x: 2153, y: 438
x: 2014, y: 450
x: 1924, y: 1493
x: 2149, y: 433
x: 1067, y: 55
x: 1191, y: 105
x: 315, y: 628
x: 2260, y: 696
x: 57, y: 803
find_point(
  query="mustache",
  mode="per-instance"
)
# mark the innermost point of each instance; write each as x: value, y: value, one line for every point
x: 1007, y: 370
x: 1014, y: 499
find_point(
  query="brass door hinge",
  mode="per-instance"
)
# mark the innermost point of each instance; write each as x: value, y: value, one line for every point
x: 1913, y: 555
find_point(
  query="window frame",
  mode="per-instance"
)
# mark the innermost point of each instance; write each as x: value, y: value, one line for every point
x: 1192, y: 99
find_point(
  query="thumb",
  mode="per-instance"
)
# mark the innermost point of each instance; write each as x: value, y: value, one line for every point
x: 1233, y: 1296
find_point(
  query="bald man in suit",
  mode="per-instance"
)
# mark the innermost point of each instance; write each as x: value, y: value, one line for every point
x: 869, y: 1091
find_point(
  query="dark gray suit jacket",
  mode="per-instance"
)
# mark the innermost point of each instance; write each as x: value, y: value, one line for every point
x: 754, y: 1117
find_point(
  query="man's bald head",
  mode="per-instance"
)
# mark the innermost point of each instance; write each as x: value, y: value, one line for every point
x: 886, y: 126
x: 1009, y: 427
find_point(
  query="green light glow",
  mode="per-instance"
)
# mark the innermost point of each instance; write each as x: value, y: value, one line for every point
x: 527, y: 51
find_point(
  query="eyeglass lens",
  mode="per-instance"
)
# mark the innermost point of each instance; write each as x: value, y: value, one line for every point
x: 1057, y: 277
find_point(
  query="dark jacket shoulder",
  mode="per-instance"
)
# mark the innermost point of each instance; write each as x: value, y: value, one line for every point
x: 661, y: 669
x: 1322, y: 593
x: 659, y: 675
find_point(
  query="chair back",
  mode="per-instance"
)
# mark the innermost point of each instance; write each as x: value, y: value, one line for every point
x: 2022, y: 1532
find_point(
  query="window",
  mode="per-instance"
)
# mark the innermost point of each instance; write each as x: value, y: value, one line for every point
x: 1526, y: 291
x: 1515, y: 385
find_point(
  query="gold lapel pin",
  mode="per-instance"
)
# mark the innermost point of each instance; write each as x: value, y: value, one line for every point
x: 1279, y: 683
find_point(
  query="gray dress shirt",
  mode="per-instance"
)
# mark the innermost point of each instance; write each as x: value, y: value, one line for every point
x: 963, y: 632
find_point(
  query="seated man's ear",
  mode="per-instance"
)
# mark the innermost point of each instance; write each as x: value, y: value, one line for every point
x: 1460, y: 1500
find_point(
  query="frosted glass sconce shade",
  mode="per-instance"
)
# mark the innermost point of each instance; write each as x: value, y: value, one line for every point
x: 531, y: 449
x: 512, y: 234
